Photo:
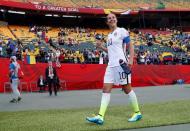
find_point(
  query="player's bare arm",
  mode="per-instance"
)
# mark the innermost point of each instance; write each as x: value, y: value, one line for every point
x: 131, y: 54
x: 99, y: 44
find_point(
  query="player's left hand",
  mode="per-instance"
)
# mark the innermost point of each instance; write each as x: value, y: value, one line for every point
x: 130, y: 66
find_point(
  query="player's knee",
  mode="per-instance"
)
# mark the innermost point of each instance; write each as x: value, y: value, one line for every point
x: 127, y: 88
x: 107, y: 88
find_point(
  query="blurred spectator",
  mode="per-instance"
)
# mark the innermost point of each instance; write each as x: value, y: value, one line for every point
x: 51, y: 76
x: 50, y: 42
x: 57, y: 83
x: 41, y: 83
x: 101, y: 58
x: 142, y: 58
x: 57, y: 55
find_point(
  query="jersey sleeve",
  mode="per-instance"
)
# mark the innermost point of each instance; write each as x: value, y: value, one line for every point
x: 11, y: 67
x: 125, y: 36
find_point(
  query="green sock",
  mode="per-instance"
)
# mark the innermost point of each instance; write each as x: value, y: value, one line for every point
x: 133, y: 101
x: 104, y: 103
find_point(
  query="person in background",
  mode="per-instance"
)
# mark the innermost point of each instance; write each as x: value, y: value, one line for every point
x: 51, y: 75
x: 57, y: 55
x: 14, y: 68
x: 41, y: 83
x: 57, y: 83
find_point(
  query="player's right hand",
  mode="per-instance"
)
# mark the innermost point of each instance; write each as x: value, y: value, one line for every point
x: 130, y: 66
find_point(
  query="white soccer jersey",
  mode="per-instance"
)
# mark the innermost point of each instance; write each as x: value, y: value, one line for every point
x: 115, y: 46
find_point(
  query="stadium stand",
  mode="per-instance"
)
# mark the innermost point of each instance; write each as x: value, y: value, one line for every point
x: 22, y: 33
x: 5, y: 33
x: 65, y: 3
x: 118, y: 4
x: 70, y: 39
x: 148, y: 41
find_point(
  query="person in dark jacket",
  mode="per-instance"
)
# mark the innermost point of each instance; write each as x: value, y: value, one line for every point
x: 57, y: 81
x: 51, y: 75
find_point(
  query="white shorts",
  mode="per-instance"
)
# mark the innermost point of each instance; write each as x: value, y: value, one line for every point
x: 117, y: 76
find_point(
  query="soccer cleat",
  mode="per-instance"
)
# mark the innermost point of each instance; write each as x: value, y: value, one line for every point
x: 96, y: 119
x: 13, y: 101
x: 19, y: 99
x: 135, y: 117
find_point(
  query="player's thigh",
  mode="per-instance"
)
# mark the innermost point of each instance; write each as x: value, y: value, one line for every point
x: 109, y: 75
x: 107, y: 87
x: 108, y: 80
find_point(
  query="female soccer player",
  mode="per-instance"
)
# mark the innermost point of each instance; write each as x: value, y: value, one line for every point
x: 117, y: 43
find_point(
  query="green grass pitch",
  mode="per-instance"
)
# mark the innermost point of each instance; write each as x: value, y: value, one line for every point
x: 175, y: 112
